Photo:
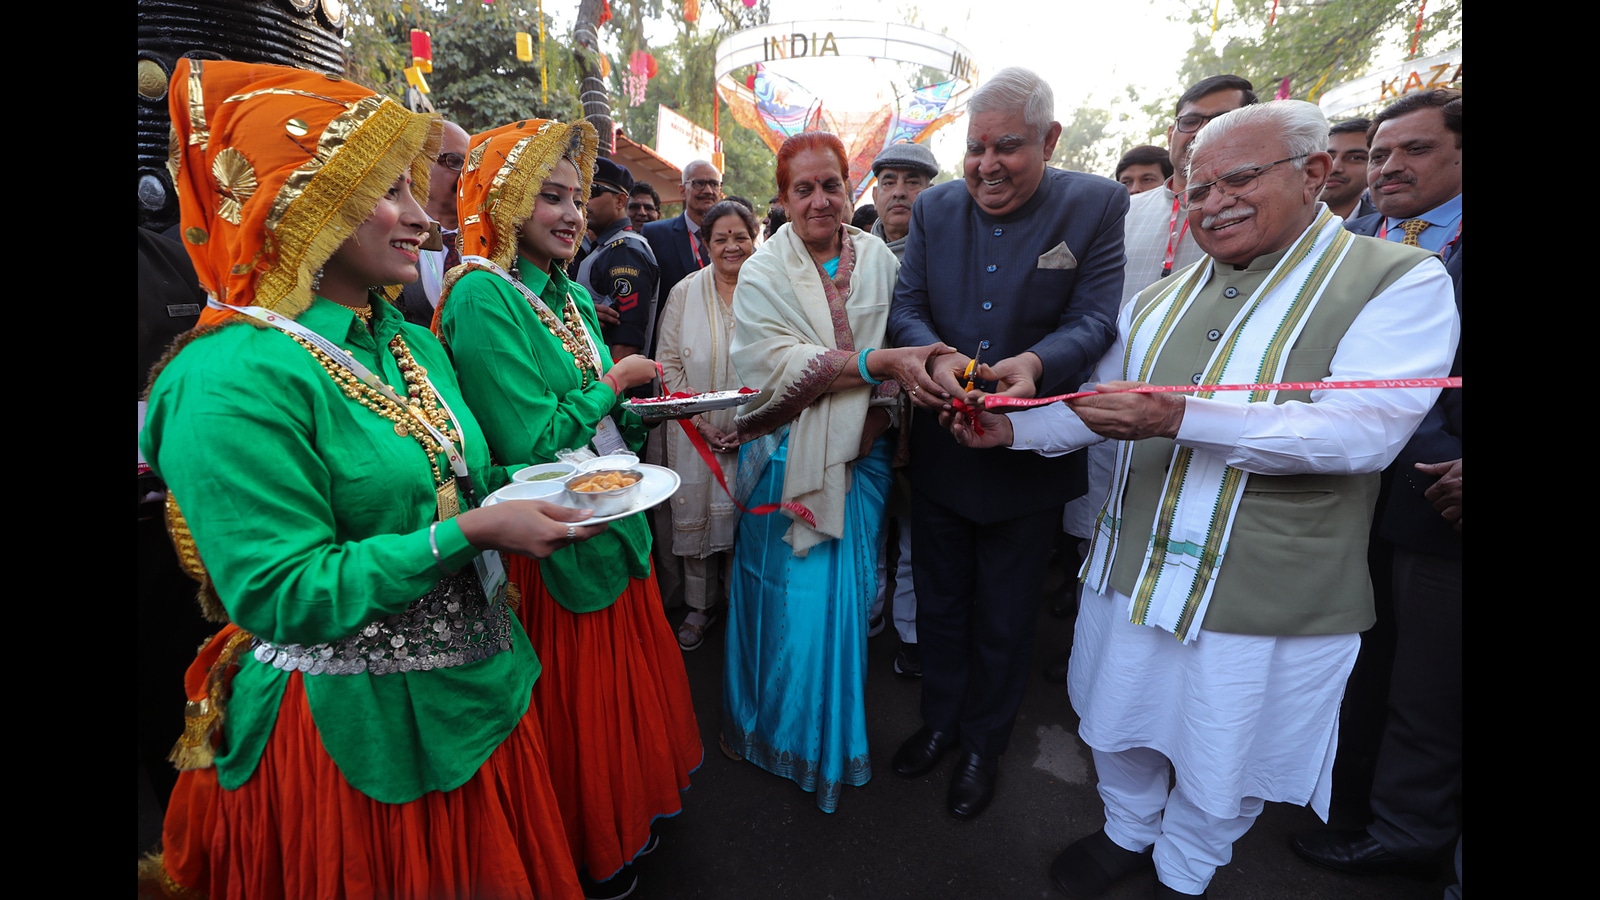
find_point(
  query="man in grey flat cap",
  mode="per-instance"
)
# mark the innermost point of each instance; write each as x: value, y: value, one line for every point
x: 902, y: 170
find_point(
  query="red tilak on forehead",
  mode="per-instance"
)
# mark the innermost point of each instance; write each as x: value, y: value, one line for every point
x: 984, y: 138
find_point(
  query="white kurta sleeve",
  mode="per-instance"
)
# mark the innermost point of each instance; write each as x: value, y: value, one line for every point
x: 1056, y: 430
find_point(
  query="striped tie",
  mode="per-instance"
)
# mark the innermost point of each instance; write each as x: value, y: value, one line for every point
x: 1412, y: 228
x: 452, y: 252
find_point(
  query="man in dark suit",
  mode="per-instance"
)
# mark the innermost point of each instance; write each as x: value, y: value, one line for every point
x: 1021, y: 264
x: 676, y: 241
x: 1414, y: 170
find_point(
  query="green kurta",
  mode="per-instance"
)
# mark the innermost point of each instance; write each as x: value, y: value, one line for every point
x: 529, y: 396
x: 311, y: 515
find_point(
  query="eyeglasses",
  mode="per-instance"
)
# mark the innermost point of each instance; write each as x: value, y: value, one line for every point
x: 640, y: 206
x: 1193, y: 122
x: 597, y: 189
x: 1237, y: 183
x: 701, y: 184
x: 451, y: 161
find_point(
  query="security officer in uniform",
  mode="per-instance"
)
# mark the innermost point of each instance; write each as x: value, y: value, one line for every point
x: 622, y: 271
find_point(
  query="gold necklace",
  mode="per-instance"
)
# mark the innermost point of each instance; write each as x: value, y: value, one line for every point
x: 420, y: 396
x: 364, y: 313
x: 571, y: 338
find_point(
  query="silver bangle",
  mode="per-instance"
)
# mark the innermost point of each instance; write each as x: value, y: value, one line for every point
x: 433, y: 544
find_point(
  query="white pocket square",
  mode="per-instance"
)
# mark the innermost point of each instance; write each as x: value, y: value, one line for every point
x: 1059, y: 257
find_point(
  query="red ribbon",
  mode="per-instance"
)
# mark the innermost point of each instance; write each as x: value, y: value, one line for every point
x: 960, y: 406
x: 707, y: 454
x: 998, y: 402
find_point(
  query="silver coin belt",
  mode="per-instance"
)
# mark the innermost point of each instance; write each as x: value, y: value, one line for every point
x: 452, y: 625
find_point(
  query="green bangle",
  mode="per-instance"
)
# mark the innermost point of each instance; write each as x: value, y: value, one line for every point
x: 861, y: 363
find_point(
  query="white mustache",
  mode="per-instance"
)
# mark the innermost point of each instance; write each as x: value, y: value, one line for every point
x: 1227, y: 215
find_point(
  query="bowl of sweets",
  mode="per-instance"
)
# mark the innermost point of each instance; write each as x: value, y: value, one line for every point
x: 606, y: 491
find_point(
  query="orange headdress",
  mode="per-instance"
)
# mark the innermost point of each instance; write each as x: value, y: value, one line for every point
x: 502, y: 177
x: 276, y: 167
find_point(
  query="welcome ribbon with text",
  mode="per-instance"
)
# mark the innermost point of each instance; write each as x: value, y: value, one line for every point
x: 994, y: 402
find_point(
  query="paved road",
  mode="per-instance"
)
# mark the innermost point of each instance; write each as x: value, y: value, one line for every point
x: 748, y: 835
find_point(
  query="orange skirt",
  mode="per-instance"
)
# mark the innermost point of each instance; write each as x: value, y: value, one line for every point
x: 298, y: 829
x: 618, y: 718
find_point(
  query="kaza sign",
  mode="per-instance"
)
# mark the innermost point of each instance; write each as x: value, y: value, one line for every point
x: 1388, y: 85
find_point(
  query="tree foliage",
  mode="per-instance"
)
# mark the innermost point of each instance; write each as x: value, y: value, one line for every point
x: 374, y: 56
x: 684, y: 83
x: 479, y: 83
x: 1085, y: 144
x: 477, y: 80
x: 1316, y: 44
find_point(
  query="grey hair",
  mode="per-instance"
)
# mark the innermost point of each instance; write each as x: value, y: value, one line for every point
x: 701, y: 162
x: 1016, y: 88
x: 1302, y: 125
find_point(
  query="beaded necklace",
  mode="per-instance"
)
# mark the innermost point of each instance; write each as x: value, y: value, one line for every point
x: 573, y: 334
x: 423, y: 404
x: 420, y: 395
x: 582, y: 351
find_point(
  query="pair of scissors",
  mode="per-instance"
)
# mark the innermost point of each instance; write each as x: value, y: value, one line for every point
x: 972, y: 368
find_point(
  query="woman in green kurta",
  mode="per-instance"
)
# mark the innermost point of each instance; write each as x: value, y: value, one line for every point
x: 614, y: 700
x: 378, y: 738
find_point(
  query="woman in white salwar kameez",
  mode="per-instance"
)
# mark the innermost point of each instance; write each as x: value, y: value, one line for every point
x: 696, y: 337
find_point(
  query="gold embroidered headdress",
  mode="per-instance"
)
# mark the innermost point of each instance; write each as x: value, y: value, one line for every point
x: 500, y: 183
x: 276, y: 167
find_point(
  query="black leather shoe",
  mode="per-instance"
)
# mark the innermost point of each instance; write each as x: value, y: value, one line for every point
x: 1165, y: 893
x: 972, y: 786
x: 1357, y: 853
x: 921, y: 752
x: 1091, y: 865
x: 1055, y: 671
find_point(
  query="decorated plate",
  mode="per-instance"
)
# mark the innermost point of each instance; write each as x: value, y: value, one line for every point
x: 659, y: 484
x: 683, y: 404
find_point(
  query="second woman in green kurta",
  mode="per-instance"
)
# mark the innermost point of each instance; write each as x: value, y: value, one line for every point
x: 614, y: 700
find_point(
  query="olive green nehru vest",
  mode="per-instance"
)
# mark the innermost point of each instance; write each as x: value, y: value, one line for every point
x: 1297, y: 556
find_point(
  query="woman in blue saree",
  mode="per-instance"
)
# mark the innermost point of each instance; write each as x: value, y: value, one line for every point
x: 810, y: 312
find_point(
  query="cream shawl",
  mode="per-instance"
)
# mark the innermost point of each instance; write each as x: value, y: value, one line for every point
x: 791, y: 341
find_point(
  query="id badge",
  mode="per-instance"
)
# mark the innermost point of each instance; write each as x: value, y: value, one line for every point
x: 492, y: 575
x: 608, y: 438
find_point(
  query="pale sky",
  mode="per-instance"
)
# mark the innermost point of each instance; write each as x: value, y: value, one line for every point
x: 1088, y: 50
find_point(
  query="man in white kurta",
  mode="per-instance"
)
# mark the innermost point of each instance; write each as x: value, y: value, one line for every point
x: 1226, y: 582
